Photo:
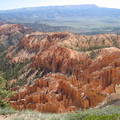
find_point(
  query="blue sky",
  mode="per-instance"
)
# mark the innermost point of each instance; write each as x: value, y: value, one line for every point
x: 11, y: 4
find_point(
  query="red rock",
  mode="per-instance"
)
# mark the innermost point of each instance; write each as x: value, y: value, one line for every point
x: 59, y: 98
x: 59, y: 59
x: 78, y: 81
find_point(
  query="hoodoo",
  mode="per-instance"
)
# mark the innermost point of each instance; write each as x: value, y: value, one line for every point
x: 70, y: 79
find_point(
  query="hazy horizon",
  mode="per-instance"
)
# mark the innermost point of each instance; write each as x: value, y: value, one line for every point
x: 14, y: 4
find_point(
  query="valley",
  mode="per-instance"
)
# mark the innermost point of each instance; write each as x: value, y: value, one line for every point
x: 58, y: 72
x: 81, y: 19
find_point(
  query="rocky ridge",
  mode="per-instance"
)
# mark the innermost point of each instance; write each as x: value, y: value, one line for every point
x: 61, y: 75
x: 11, y: 34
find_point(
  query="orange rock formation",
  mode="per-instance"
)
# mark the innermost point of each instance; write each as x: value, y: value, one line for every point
x: 55, y: 93
x: 71, y: 80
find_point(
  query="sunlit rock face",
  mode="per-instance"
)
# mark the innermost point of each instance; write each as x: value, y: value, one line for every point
x: 59, y: 59
x: 37, y: 42
x: 117, y: 89
x: 71, y: 79
x: 57, y: 92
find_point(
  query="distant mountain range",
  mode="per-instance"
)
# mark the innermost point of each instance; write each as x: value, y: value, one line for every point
x: 88, y: 19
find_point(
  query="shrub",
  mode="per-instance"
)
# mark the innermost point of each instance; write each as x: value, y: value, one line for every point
x: 4, y: 92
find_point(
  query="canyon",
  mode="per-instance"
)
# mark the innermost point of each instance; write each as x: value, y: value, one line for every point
x: 59, y: 71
